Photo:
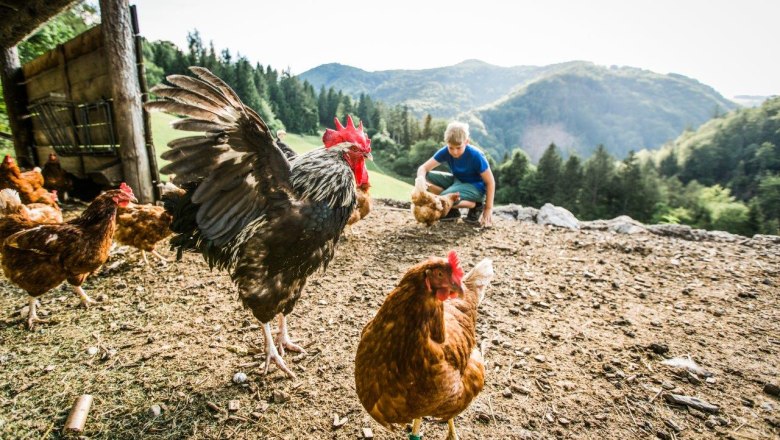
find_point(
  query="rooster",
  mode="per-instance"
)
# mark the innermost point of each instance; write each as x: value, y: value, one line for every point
x: 428, y: 208
x: 269, y: 220
x: 40, y: 258
x: 417, y: 357
x: 55, y: 178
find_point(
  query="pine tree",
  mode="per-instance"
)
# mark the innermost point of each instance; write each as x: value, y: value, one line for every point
x: 548, y: 176
x: 597, y: 178
x: 571, y: 181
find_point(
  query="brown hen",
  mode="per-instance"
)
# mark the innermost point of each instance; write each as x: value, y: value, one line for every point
x: 418, y: 356
x: 142, y: 227
x: 428, y: 207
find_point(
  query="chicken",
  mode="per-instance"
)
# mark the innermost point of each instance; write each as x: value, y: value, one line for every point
x: 11, y: 204
x: 55, y: 178
x: 428, y: 207
x: 29, y: 184
x: 14, y: 216
x: 417, y: 357
x: 363, y: 207
x: 45, y: 213
x: 268, y: 220
x: 40, y: 258
x: 142, y: 227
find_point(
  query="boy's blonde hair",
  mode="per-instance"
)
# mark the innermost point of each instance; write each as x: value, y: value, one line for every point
x: 456, y: 133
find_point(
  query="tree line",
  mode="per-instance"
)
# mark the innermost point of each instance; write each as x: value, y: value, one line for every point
x: 725, y: 175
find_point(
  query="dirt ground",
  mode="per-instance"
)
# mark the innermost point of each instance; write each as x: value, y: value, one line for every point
x: 566, y: 328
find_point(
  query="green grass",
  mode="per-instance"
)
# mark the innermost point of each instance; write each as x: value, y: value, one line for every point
x: 382, y: 185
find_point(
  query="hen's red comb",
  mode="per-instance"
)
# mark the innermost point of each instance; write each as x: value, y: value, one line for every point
x: 347, y: 134
x: 8, y: 158
x: 125, y: 188
x: 457, y: 271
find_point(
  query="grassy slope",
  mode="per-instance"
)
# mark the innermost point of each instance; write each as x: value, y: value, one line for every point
x: 382, y: 186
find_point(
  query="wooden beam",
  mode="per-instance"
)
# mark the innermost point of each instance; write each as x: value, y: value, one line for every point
x: 120, y: 53
x: 15, y: 98
x: 21, y: 18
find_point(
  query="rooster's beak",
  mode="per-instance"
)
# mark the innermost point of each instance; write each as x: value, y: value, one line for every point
x: 369, y: 157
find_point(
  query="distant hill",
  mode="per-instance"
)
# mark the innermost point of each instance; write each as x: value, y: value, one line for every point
x: 577, y: 105
x: 443, y: 92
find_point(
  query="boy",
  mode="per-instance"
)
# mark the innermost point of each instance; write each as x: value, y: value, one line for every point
x: 471, y: 176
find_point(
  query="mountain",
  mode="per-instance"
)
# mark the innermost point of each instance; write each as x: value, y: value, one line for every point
x: 444, y: 92
x: 576, y: 105
x: 623, y: 108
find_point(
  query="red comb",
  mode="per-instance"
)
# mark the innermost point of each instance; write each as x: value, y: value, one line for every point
x: 457, y: 271
x: 125, y: 188
x: 350, y: 133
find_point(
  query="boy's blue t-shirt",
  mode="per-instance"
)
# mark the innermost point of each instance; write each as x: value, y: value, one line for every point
x: 468, y: 167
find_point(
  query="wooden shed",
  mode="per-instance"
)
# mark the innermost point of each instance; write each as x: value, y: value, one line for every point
x: 83, y: 99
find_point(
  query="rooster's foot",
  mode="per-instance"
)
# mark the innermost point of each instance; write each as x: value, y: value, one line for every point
x: 283, y: 340
x: 272, y: 354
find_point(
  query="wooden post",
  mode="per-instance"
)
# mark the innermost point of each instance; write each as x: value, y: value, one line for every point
x: 15, y: 98
x: 120, y: 54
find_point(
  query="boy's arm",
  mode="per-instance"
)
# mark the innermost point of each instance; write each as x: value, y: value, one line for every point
x: 422, y: 171
x: 490, y: 191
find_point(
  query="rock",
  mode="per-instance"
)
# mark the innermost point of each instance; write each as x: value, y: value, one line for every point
x: 338, y: 422
x: 507, y: 393
x: 239, y: 378
x: 155, y: 411
x: 658, y: 348
x: 234, y: 405
x: 520, y: 389
x: 556, y: 216
x: 772, y: 389
x: 540, y: 358
x: 368, y: 433
x: 280, y: 396
x: 563, y: 421
x: 92, y: 351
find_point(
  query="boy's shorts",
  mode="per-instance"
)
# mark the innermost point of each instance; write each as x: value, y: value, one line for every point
x: 451, y: 185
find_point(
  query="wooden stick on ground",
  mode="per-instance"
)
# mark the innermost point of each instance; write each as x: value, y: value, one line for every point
x: 78, y: 414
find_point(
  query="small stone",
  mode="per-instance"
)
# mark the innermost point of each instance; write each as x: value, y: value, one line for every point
x: 239, y: 378
x: 234, y: 405
x: 711, y: 423
x: 280, y: 396
x: 772, y: 389
x: 155, y: 411
x: 338, y: 422
x: 668, y: 386
x: 766, y: 406
x: 92, y: 351
x: 507, y: 393
x: 49, y: 368
x: 368, y: 433
x: 710, y: 380
x: 540, y: 358
x: 520, y: 390
x: 658, y: 348
x: 563, y: 421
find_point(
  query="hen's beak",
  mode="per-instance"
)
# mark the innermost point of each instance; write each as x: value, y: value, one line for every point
x: 133, y: 199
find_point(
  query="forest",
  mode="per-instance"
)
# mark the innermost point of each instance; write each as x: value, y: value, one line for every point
x: 724, y: 176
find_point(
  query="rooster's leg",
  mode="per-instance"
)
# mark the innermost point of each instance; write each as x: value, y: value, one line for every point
x: 283, y: 340
x: 451, y: 434
x: 272, y: 354
x: 415, y: 434
x: 32, y: 316
x: 143, y: 254
x: 85, y: 300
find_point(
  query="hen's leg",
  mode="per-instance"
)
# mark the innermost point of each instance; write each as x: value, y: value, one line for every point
x: 415, y: 434
x: 451, y: 434
x: 85, y: 300
x: 271, y: 354
x: 283, y: 338
x: 163, y: 260
x: 32, y: 316
x: 143, y: 254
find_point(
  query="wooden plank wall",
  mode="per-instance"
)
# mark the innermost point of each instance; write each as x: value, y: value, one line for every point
x: 76, y: 71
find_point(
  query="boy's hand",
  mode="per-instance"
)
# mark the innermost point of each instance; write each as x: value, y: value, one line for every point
x: 421, y: 184
x: 487, y: 218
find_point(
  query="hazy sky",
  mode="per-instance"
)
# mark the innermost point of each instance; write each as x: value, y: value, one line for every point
x: 731, y: 45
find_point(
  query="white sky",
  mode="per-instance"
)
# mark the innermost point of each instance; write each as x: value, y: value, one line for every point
x: 731, y: 45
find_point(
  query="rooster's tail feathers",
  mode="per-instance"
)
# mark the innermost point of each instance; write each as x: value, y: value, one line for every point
x: 478, y: 279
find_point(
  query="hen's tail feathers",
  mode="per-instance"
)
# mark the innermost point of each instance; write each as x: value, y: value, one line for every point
x: 478, y: 279
x: 9, y: 202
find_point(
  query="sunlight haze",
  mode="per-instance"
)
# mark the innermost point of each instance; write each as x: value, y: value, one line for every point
x: 725, y: 44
